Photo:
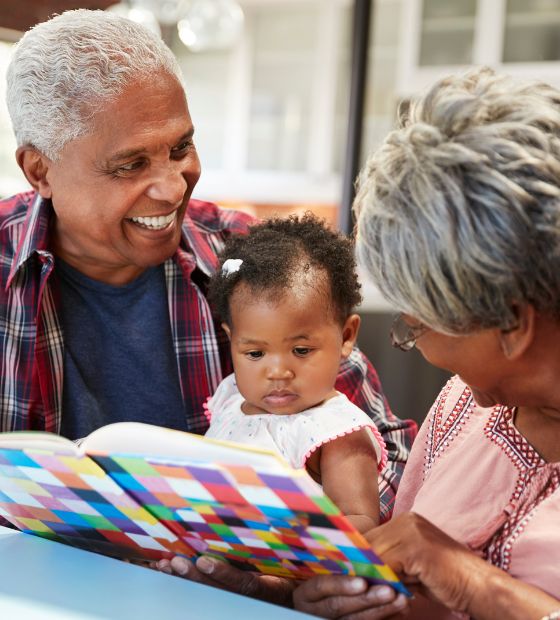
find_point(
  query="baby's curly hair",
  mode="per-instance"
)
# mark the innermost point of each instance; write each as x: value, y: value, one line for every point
x: 276, y: 251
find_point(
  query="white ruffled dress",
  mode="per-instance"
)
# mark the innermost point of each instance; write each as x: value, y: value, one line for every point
x: 295, y: 436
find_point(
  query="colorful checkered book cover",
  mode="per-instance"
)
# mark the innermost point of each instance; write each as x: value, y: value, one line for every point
x: 113, y: 495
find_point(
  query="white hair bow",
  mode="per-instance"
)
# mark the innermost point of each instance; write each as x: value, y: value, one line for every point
x: 231, y: 265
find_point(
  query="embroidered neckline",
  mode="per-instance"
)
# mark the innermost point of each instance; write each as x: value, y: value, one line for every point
x: 442, y: 433
x: 500, y: 430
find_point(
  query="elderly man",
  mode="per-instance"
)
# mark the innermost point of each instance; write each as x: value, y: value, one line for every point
x: 105, y: 262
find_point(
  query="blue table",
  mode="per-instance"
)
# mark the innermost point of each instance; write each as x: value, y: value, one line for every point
x: 41, y: 579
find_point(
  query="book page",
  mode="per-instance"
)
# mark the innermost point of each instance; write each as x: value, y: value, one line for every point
x: 36, y: 440
x: 155, y: 441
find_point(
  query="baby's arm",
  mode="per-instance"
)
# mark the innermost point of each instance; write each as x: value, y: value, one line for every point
x: 348, y: 467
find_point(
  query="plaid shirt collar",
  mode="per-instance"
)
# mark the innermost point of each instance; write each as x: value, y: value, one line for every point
x: 34, y: 237
x: 194, y: 250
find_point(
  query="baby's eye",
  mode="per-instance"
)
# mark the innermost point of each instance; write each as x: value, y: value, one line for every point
x: 302, y: 351
x: 254, y: 355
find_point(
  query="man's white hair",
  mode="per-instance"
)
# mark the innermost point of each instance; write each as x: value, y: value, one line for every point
x: 65, y: 69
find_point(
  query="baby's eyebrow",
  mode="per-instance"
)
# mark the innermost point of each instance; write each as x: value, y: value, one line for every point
x: 299, y: 337
x: 251, y: 341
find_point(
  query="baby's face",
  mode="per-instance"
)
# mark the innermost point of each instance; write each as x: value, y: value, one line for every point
x: 287, y: 352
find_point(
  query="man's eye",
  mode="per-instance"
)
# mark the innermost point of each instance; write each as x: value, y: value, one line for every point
x: 302, y: 351
x: 181, y: 149
x: 131, y: 167
x: 254, y: 355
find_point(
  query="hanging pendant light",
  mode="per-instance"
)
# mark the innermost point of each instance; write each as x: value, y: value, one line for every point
x: 202, y: 24
x: 137, y: 13
x: 210, y: 24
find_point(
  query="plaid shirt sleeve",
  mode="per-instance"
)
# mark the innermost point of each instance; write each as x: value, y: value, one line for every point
x: 358, y: 379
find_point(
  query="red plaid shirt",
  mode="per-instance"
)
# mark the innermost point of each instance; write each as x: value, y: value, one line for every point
x: 32, y: 344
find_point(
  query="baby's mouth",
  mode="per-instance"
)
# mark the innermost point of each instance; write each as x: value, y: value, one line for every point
x: 280, y: 397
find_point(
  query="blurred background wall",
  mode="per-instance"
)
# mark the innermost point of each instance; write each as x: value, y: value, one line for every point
x: 269, y: 92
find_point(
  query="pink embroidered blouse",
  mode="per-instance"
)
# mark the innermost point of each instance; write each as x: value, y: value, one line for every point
x: 474, y: 475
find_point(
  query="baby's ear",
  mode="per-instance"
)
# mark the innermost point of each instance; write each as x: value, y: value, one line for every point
x: 350, y: 334
x: 226, y: 328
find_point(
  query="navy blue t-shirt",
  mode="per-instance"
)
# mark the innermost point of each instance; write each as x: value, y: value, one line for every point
x: 119, y: 363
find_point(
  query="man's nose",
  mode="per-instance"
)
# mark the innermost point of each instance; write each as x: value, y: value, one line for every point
x: 168, y: 184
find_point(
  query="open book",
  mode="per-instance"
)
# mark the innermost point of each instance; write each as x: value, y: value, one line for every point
x: 144, y: 492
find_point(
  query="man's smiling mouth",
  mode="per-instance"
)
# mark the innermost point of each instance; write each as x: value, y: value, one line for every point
x: 158, y: 222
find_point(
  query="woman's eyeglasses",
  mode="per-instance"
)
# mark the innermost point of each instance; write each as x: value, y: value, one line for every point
x: 404, y: 336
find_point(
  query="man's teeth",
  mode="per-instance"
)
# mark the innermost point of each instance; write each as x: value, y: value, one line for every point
x: 155, y: 223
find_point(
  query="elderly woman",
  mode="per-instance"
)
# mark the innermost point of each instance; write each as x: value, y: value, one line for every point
x: 459, y: 226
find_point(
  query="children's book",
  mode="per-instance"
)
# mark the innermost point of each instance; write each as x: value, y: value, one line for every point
x: 138, y: 491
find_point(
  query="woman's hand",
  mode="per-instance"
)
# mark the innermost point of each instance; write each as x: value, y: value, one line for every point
x: 220, y: 574
x: 437, y: 566
x: 348, y: 598
x: 444, y: 570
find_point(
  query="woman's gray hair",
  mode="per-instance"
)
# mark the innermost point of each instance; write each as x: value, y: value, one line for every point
x: 458, y: 212
x: 63, y: 70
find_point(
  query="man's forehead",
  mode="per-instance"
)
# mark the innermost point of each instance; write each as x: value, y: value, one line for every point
x: 142, y: 119
x: 137, y: 145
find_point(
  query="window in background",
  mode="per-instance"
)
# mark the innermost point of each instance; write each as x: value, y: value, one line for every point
x: 532, y: 31
x: 447, y: 32
x: 343, y: 62
x: 206, y: 74
x: 381, y: 101
x: 282, y: 87
x: 265, y: 111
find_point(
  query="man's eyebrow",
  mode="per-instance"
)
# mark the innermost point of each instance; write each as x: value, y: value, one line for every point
x: 130, y: 153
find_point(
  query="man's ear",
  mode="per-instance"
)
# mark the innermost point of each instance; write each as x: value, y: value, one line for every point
x: 515, y: 342
x: 350, y: 334
x: 226, y: 328
x: 35, y: 166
